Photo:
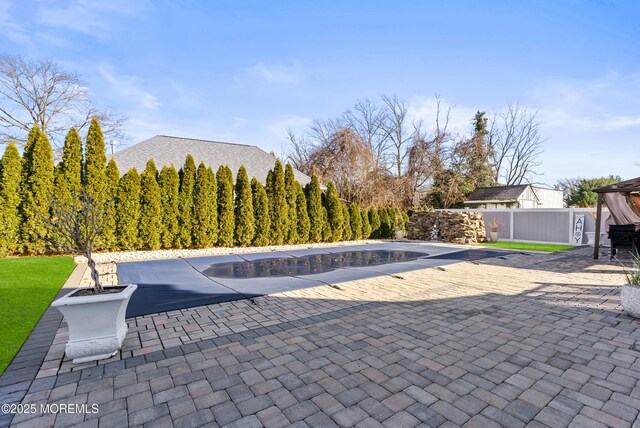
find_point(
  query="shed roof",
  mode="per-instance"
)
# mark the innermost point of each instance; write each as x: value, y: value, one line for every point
x: 496, y: 194
x: 166, y: 150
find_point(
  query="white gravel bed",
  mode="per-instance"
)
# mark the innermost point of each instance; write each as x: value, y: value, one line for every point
x: 129, y: 256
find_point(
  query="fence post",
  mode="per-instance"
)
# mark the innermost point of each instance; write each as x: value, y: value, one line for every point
x: 571, y: 217
x: 511, y: 225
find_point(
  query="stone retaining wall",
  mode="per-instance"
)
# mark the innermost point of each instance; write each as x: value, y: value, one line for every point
x: 455, y: 227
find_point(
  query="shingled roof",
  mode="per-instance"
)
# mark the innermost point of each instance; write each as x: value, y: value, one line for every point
x: 496, y: 194
x: 165, y: 150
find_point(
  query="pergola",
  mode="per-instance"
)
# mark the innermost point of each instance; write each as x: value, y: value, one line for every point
x: 628, y: 187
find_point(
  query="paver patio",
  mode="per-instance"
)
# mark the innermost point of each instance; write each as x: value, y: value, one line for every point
x: 524, y: 340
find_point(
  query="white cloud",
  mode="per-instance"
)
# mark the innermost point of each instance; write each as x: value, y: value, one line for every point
x: 273, y: 74
x: 608, y: 103
x: 90, y: 17
x: 8, y: 26
x: 128, y: 87
x: 278, y: 129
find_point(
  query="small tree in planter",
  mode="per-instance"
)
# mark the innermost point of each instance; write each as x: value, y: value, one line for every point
x: 95, y: 315
x: 494, y: 230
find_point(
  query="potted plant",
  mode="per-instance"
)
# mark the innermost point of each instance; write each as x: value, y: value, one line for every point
x: 630, y: 293
x: 399, y: 226
x: 95, y: 315
x: 493, y: 234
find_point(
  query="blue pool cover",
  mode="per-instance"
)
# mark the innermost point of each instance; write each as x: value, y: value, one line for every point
x: 167, y: 285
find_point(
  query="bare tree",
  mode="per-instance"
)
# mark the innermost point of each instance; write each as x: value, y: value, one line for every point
x: 74, y: 225
x: 516, y: 146
x: 43, y: 93
x: 398, y: 131
x: 367, y: 119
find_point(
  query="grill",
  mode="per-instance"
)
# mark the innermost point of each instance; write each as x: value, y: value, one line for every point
x: 624, y: 237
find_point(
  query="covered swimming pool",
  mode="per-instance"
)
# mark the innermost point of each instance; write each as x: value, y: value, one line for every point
x: 173, y: 284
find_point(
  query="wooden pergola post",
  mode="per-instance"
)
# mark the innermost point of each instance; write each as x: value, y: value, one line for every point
x: 596, y: 246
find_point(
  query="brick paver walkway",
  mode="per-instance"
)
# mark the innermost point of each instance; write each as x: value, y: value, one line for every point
x: 526, y: 340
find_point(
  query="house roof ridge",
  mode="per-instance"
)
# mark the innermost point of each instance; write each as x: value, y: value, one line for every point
x: 202, y: 139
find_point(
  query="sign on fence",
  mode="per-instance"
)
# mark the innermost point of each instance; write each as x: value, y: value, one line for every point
x: 578, y: 229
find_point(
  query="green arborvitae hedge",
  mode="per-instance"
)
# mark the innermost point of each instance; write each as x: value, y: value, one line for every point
x: 68, y: 173
x: 150, y: 208
x: 327, y: 233
x: 278, y: 206
x: 10, y: 179
x: 302, y: 216
x: 169, y: 182
x: 109, y: 239
x: 291, y: 196
x: 385, y: 223
x: 193, y: 208
x: 366, y: 226
x: 37, y: 191
x: 212, y: 203
x: 185, y: 203
x: 374, y: 221
x: 356, y: 221
x: 245, y: 221
x: 260, y: 214
x: 128, y: 210
x: 347, y: 235
x: 201, y: 209
x: 226, y: 220
x: 314, y: 209
x: 334, y: 212
x: 95, y: 163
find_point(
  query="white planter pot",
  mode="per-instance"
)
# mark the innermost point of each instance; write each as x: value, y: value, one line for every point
x: 493, y: 236
x: 591, y: 238
x: 630, y: 299
x: 399, y: 234
x: 97, y: 323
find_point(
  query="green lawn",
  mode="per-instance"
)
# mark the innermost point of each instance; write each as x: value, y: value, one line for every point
x: 27, y: 286
x: 552, y: 248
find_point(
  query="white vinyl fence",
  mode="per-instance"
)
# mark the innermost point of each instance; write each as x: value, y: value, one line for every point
x: 543, y: 225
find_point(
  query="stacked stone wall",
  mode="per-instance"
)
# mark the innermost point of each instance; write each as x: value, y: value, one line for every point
x: 455, y: 227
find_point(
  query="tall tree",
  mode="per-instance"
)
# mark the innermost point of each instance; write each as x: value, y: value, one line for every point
x: 45, y: 94
x: 212, y: 203
x: 68, y: 173
x: 150, y: 208
x: 291, y: 194
x: 226, y: 220
x: 356, y: 221
x: 169, y: 183
x: 260, y: 214
x: 245, y: 220
x: 95, y: 171
x: 347, y: 234
x: 10, y: 179
x: 334, y: 212
x: 37, y: 191
x: 201, y: 209
x: 128, y: 210
x: 314, y: 209
x: 374, y: 220
x: 366, y: 226
x: 278, y: 206
x: 109, y: 238
x: 185, y: 202
x: 302, y: 222
x: 583, y: 196
x: 516, y: 146
x: 385, y: 223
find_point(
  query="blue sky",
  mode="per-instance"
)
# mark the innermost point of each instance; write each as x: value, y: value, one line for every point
x: 246, y: 71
